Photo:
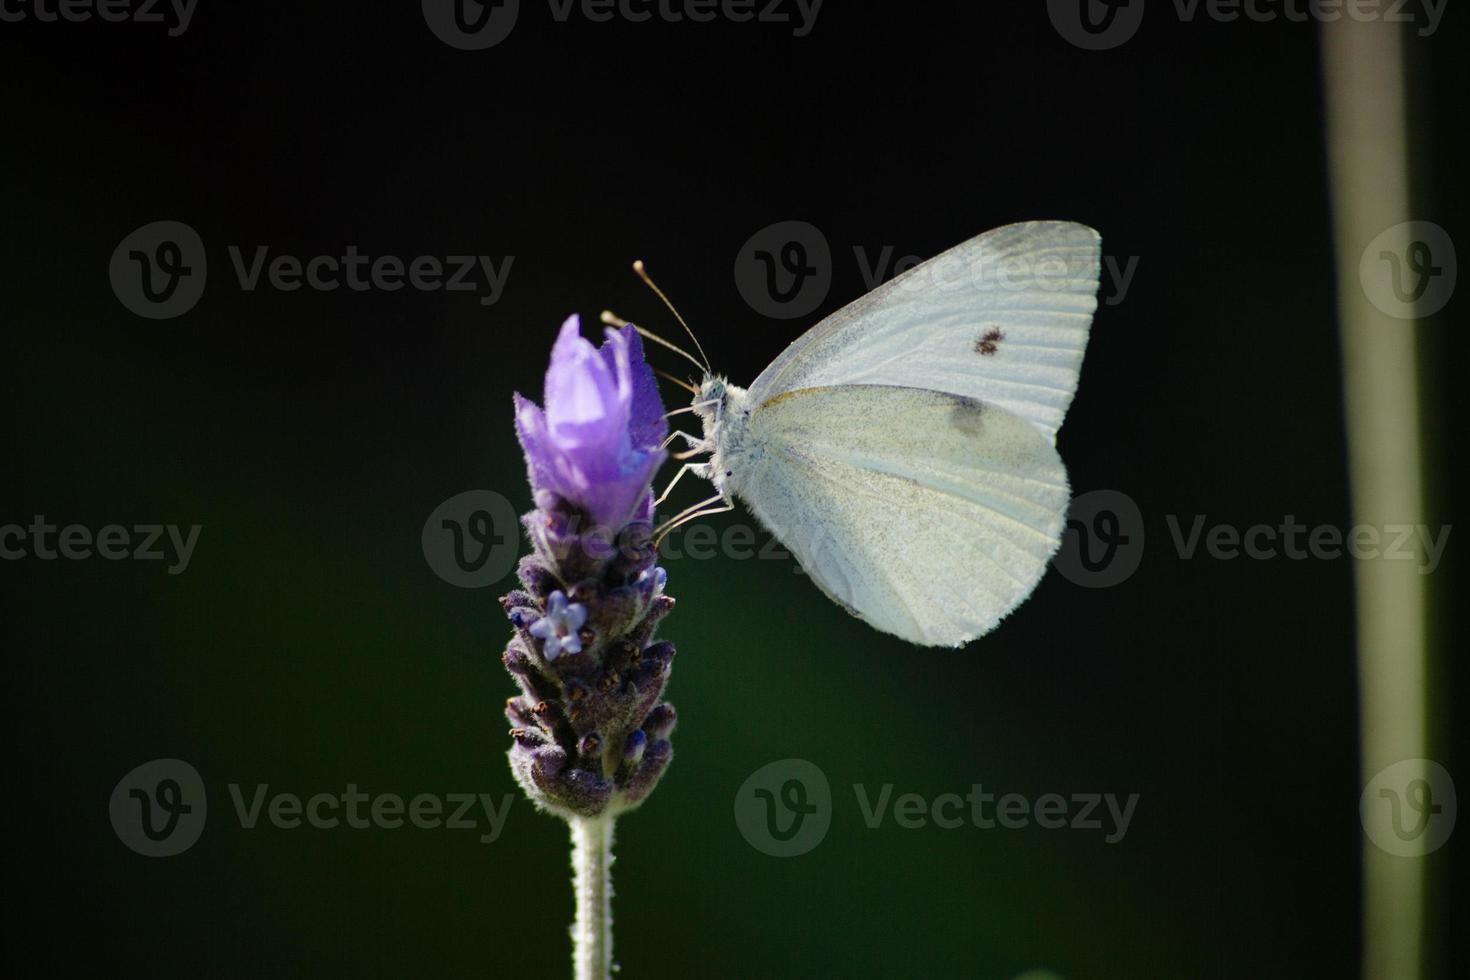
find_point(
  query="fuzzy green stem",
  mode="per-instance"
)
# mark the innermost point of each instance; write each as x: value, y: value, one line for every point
x: 592, y: 839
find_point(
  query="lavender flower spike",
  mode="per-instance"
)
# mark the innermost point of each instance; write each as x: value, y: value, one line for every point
x: 590, y: 735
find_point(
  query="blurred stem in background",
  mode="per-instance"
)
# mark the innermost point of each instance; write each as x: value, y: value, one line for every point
x: 1368, y: 159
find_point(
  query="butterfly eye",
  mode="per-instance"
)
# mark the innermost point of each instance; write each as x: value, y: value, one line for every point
x: 729, y: 472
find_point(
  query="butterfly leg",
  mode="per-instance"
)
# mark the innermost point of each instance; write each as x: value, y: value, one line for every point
x: 691, y: 439
x: 701, y: 509
x: 699, y: 469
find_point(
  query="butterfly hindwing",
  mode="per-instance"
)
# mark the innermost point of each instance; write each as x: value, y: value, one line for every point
x: 928, y: 514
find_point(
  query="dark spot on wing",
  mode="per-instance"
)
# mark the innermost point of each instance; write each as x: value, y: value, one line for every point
x: 989, y: 342
x: 967, y: 415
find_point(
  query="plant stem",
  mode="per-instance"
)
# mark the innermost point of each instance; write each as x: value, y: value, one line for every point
x: 1367, y: 143
x: 592, y: 839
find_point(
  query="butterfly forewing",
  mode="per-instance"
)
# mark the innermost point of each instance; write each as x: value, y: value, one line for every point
x: 1003, y: 317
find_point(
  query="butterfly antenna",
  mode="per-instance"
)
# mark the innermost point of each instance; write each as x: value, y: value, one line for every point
x: 682, y: 384
x: 643, y: 274
x: 692, y: 408
x: 613, y: 320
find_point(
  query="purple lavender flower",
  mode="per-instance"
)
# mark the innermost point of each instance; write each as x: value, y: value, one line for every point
x: 597, y: 442
x: 590, y: 735
x: 557, y: 630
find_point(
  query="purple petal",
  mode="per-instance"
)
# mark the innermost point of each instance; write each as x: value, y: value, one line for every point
x: 586, y: 401
x: 646, y: 422
x: 597, y: 442
x: 535, y: 441
x: 617, y: 498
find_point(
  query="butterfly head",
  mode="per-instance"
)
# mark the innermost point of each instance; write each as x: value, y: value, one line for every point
x: 710, y: 401
x: 717, y: 400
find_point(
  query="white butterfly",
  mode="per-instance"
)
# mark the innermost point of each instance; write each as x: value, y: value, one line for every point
x: 903, y: 448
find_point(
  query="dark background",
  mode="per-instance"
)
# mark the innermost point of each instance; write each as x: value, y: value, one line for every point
x: 309, y: 645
